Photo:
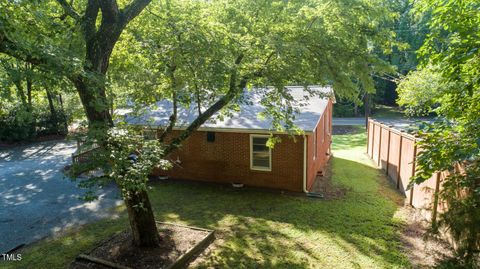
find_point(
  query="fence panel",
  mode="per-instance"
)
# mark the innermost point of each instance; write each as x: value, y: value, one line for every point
x: 394, y: 157
x: 370, y: 139
x: 384, y: 148
x: 395, y: 152
x: 407, y: 162
x: 423, y: 195
x: 376, y: 142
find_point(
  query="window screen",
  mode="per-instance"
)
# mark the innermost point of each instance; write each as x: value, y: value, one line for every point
x: 260, y: 153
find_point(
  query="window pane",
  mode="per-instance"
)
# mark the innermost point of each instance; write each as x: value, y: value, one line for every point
x: 260, y: 140
x: 259, y: 148
x: 261, y: 160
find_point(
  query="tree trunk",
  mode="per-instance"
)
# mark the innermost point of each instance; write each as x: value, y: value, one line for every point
x: 64, y: 115
x: 29, y: 86
x: 95, y: 104
x: 29, y: 98
x: 100, y: 39
x: 53, y: 114
x: 99, y: 43
x: 142, y: 221
x: 20, y: 92
x: 50, y: 103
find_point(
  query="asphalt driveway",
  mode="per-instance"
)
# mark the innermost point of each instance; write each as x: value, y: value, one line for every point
x: 36, y: 200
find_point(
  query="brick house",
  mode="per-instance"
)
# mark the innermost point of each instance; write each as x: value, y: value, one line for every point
x: 233, y: 150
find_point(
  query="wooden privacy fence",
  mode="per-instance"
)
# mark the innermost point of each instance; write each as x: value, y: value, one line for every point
x: 395, y: 151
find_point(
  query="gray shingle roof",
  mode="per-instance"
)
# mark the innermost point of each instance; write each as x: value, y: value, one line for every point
x: 309, y: 110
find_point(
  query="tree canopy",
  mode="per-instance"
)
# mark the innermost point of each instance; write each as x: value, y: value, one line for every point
x: 454, y: 141
x: 204, y: 52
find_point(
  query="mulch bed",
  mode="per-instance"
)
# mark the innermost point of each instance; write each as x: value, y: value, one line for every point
x: 422, y: 251
x: 177, y: 242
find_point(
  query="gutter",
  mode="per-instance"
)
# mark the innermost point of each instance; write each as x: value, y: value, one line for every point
x: 225, y: 130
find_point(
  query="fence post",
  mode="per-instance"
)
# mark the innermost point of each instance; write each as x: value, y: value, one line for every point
x: 373, y: 138
x: 399, y: 160
x: 413, y: 169
x: 379, y: 145
x: 368, y: 136
x: 388, y: 150
x: 435, y: 200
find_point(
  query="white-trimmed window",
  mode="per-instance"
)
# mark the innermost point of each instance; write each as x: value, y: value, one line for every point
x: 260, y: 154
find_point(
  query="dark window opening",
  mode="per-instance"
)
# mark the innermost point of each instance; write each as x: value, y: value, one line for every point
x: 210, y: 136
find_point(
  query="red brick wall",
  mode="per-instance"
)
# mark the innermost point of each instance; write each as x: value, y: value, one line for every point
x: 228, y: 160
x: 324, y: 139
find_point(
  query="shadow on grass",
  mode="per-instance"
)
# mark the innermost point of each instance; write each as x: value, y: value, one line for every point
x: 257, y: 229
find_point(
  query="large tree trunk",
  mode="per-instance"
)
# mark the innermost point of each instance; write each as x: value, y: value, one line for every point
x: 101, y: 33
x: 142, y: 221
x: 95, y: 104
x: 99, y: 44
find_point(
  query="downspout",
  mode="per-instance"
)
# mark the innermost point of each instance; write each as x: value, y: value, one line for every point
x: 309, y: 194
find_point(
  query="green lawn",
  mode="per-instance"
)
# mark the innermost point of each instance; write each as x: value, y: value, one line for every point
x: 267, y: 230
x: 388, y: 112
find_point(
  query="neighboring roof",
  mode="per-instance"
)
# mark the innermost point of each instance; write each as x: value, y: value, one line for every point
x: 310, y: 110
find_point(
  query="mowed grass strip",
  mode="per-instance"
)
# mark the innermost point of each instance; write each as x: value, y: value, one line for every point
x: 256, y: 229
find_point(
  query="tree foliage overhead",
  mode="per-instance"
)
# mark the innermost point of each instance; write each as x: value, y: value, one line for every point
x: 420, y: 91
x: 453, y: 46
x: 206, y: 53
x: 201, y: 52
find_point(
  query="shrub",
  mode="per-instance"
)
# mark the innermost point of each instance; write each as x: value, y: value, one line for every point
x: 19, y: 124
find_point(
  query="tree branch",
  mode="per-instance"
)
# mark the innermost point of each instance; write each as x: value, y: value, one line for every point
x: 69, y: 10
x: 233, y: 90
x: 133, y: 9
x: 12, y: 49
x: 173, y: 117
x: 90, y: 19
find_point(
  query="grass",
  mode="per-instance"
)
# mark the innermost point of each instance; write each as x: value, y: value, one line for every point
x: 267, y: 230
x: 388, y: 112
x: 354, y: 141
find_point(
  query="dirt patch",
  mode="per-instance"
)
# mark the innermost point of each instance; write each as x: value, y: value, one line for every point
x: 422, y: 251
x: 175, y: 241
x: 323, y: 184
